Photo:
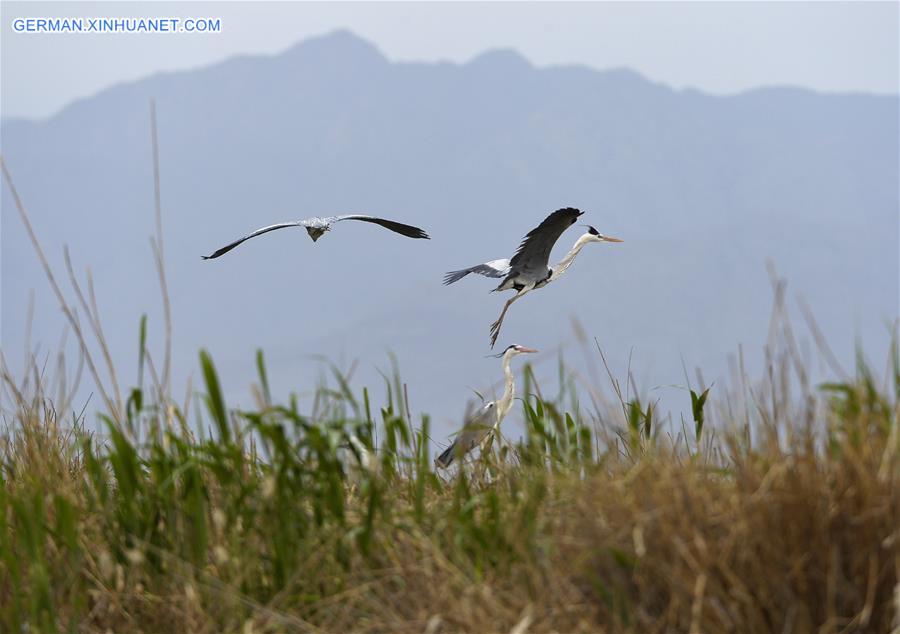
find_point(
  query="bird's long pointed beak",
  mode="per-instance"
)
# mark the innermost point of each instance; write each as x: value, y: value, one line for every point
x: 524, y: 349
x: 611, y: 239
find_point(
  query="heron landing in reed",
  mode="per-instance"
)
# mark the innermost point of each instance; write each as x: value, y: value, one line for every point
x: 528, y: 269
x: 317, y: 227
x: 487, y: 419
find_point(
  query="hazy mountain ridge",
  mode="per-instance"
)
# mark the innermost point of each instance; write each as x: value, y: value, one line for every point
x: 703, y: 189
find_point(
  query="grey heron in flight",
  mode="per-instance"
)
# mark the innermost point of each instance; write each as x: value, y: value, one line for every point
x: 528, y: 269
x: 317, y: 227
x: 486, y: 420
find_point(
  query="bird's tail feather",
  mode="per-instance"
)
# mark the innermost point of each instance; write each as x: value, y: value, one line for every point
x: 446, y: 459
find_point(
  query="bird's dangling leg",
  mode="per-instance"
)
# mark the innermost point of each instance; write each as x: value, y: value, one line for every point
x: 495, y: 327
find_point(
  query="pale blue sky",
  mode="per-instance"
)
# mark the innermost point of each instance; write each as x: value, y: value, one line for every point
x: 722, y: 48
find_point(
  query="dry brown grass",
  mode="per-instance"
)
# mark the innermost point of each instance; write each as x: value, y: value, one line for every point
x: 796, y: 534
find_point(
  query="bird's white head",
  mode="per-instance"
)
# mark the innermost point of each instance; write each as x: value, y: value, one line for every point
x: 513, y: 350
x: 593, y: 235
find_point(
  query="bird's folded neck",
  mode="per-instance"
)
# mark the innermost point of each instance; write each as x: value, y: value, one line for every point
x: 560, y: 267
x: 509, y: 391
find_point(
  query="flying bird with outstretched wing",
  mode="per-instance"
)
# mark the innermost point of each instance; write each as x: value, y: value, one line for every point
x: 317, y: 227
x: 528, y: 269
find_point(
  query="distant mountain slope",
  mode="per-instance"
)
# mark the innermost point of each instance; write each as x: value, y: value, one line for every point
x: 703, y: 190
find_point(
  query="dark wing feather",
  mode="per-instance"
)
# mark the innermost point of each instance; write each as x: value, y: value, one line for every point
x: 405, y: 230
x: 229, y: 247
x: 477, y: 425
x: 534, y: 252
x: 446, y: 458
